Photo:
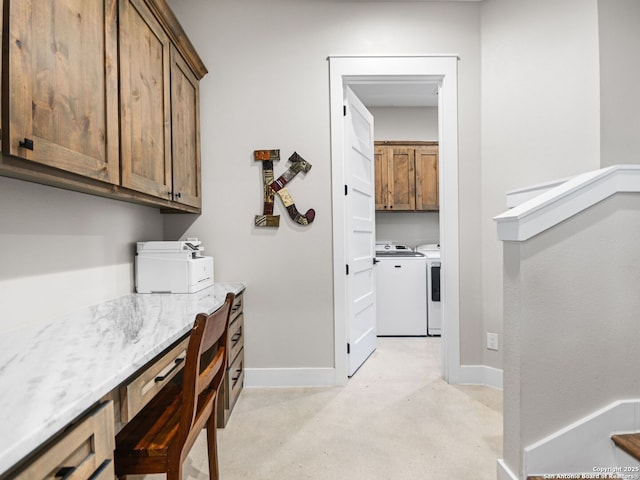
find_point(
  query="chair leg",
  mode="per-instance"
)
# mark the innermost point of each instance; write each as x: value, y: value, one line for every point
x: 212, y: 444
x: 173, y: 474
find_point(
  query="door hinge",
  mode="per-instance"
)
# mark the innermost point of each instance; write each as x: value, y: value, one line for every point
x: 348, y: 349
x: 344, y: 110
x: 347, y: 265
x: 346, y: 190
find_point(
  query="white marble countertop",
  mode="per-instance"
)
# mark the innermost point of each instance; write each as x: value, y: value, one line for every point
x: 54, y: 370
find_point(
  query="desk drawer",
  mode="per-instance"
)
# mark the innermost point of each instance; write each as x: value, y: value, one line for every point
x: 235, y: 380
x: 137, y: 393
x: 84, y: 451
x: 236, y: 308
x: 236, y: 339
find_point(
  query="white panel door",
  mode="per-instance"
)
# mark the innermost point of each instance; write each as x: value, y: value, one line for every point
x: 360, y: 232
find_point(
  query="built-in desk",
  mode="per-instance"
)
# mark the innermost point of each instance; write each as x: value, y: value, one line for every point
x: 54, y: 372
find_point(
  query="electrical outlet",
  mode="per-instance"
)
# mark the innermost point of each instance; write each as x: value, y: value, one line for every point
x: 492, y: 341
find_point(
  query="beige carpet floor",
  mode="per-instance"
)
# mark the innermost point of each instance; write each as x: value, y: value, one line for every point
x: 395, y: 419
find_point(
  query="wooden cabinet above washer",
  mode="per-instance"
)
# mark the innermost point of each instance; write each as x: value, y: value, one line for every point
x: 406, y: 176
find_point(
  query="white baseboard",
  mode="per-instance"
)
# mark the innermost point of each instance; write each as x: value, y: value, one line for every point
x: 480, y: 375
x: 504, y: 472
x: 586, y: 444
x: 289, y: 377
x: 324, y: 377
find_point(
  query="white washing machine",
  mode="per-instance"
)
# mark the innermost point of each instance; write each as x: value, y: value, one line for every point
x: 431, y: 252
x: 401, y: 286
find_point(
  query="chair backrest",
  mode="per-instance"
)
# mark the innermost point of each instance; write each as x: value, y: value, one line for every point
x: 204, y: 370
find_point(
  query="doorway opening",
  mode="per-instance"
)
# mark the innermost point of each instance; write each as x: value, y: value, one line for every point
x: 440, y: 71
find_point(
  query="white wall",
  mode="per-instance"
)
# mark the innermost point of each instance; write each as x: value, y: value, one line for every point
x: 540, y: 113
x: 410, y: 228
x: 269, y: 88
x: 618, y: 22
x: 407, y: 124
x: 62, y: 250
x: 571, y: 323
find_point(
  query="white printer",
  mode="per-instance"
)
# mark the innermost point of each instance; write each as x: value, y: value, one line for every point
x: 172, y: 267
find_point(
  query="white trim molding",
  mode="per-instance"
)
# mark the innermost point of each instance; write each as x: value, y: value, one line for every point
x: 586, y: 444
x: 442, y: 69
x: 481, y: 375
x: 521, y: 195
x: 565, y: 200
x: 504, y: 472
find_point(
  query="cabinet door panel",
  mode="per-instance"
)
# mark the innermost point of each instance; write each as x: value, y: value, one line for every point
x: 63, y: 86
x: 381, y: 168
x: 185, y: 132
x: 145, y: 104
x: 1, y: 64
x: 427, y: 178
x: 402, y: 168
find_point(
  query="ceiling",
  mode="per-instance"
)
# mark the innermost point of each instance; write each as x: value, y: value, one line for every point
x: 397, y: 94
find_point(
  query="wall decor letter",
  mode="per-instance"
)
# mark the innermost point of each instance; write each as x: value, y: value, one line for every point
x: 273, y: 186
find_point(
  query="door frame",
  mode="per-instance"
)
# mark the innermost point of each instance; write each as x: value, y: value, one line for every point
x: 440, y: 69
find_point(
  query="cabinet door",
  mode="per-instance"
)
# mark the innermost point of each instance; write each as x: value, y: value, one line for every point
x: 144, y: 101
x: 381, y: 168
x: 402, y: 182
x: 427, y: 178
x: 1, y: 64
x: 63, y: 84
x: 185, y: 132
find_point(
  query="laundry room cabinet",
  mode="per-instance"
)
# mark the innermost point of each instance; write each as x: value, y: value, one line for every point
x: 406, y: 176
x: 103, y: 98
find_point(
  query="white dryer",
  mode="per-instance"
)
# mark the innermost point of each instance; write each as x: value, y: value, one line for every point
x: 431, y: 251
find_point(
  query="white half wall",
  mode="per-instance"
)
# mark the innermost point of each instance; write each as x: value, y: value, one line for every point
x: 571, y: 323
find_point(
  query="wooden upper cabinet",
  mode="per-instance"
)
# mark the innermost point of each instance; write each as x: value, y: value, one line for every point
x: 1, y: 66
x: 402, y: 185
x: 381, y: 168
x: 102, y: 97
x: 185, y: 132
x: 62, y: 106
x: 406, y: 176
x: 1, y: 95
x: 145, y: 107
x: 427, y: 192
x: 395, y: 178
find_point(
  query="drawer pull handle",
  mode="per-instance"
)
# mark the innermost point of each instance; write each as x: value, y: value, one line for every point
x: 26, y: 143
x: 162, y: 377
x: 235, y: 308
x: 65, y: 472
x: 238, y: 375
x: 236, y: 338
x: 100, y: 469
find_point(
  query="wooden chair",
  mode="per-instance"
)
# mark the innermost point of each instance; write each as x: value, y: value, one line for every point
x: 160, y: 436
